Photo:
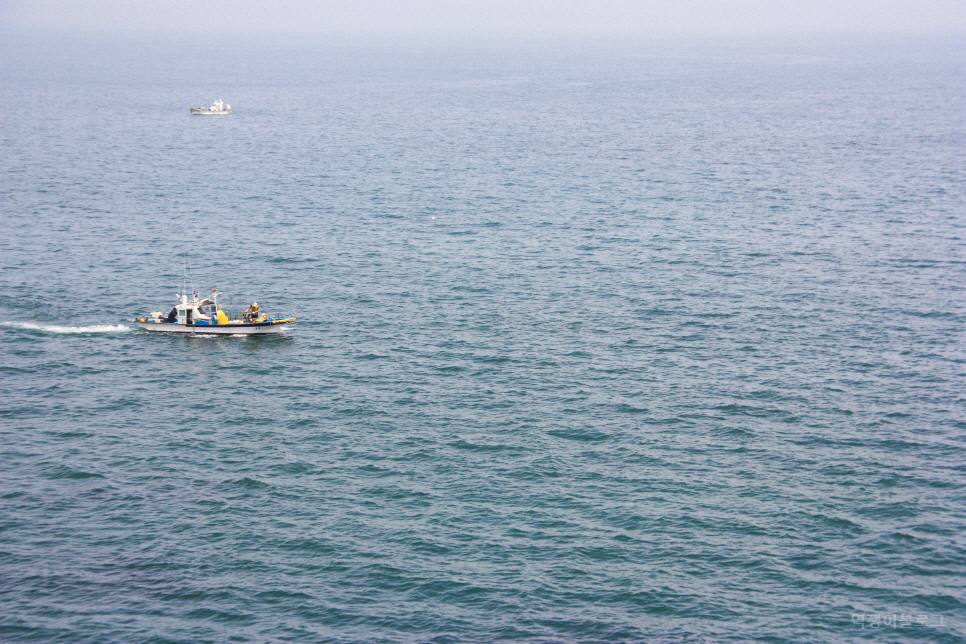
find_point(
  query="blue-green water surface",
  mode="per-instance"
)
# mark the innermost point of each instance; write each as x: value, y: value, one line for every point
x: 597, y: 342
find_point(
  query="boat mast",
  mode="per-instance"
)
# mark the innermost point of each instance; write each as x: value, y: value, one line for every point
x: 186, y: 279
x: 194, y: 295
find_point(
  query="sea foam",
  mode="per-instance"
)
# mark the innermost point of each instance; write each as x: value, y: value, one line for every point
x: 53, y: 328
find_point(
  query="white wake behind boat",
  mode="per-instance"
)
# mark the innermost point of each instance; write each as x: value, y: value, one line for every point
x: 208, y: 317
x: 218, y: 107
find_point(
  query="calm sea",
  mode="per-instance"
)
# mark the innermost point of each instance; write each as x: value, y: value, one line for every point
x: 627, y: 341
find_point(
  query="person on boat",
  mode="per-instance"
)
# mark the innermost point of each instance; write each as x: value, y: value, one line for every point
x: 172, y: 316
x: 251, y: 313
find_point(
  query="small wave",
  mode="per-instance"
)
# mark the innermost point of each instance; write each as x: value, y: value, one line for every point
x: 587, y: 436
x: 65, y: 472
x: 252, y: 484
x: 53, y: 328
x: 481, y: 447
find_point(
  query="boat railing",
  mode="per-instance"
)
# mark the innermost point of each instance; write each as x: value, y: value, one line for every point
x: 278, y: 316
x: 235, y: 316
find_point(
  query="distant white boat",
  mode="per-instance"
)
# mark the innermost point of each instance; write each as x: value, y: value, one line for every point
x: 218, y: 107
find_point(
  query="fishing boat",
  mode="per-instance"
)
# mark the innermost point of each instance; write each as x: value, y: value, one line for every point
x: 208, y: 317
x: 218, y: 107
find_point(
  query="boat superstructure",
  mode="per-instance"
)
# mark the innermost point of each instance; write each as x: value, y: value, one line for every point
x: 206, y: 316
x: 218, y: 107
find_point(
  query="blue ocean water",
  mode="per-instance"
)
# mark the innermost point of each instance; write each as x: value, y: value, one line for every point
x: 626, y: 341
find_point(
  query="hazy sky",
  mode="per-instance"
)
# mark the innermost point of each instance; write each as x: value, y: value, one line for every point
x: 496, y: 17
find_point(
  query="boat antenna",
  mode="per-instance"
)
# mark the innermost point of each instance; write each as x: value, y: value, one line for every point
x: 188, y: 267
